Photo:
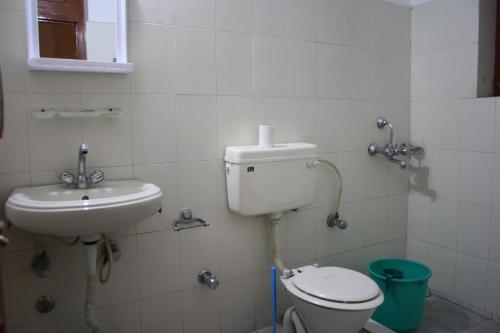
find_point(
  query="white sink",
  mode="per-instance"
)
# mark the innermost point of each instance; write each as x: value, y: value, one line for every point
x: 64, y: 211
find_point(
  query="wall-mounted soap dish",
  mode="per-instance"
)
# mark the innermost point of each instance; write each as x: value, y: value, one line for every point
x: 76, y: 113
x: 186, y: 221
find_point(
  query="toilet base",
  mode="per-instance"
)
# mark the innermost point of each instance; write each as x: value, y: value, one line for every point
x: 292, y: 323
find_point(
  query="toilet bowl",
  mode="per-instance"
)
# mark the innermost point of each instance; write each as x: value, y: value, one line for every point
x: 332, y: 299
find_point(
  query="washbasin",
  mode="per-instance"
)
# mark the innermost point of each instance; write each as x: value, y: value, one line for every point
x: 67, y: 211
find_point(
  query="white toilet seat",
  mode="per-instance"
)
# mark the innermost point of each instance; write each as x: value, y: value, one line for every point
x: 334, y: 288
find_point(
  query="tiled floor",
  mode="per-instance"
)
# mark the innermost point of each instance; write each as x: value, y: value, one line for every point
x: 441, y: 316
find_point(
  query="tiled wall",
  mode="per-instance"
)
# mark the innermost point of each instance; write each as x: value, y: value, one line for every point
x: 458, y: 234
x: 207, y: 74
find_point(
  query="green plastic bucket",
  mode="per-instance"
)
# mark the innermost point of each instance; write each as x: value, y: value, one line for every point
x: 404, y: 283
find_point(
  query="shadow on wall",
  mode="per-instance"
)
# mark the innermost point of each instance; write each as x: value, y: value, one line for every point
x: 419, y: 181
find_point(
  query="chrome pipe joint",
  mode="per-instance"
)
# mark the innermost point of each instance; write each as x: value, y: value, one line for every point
x: 392, y: 150
x: 206, y: 277
x: 81, y: 180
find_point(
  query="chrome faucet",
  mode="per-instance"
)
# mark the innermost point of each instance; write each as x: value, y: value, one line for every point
x: 82, y: 180
x: 391, y: 149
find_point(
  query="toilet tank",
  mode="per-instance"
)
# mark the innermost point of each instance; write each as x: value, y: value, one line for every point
x: 270, y: 180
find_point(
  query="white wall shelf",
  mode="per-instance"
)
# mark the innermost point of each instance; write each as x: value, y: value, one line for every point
x: 77, y: 113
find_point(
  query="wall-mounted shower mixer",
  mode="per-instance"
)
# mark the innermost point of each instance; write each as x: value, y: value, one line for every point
x: 391, y: 149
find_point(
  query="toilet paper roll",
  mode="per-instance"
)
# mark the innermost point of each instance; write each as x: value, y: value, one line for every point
x: 266, y: 136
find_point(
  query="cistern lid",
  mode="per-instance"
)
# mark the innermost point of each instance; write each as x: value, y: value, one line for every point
x: 337, y: 284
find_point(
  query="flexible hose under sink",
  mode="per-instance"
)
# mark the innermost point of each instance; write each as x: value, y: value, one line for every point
x: 91, y: 294
x: 103, y: 278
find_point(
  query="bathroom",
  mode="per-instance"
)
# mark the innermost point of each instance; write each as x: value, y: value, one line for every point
x: 193, y: 77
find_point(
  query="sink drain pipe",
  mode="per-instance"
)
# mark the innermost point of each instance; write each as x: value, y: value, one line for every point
x: 92, y: 279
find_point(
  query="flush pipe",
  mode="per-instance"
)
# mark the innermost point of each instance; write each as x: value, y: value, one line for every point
x: 275, y: 219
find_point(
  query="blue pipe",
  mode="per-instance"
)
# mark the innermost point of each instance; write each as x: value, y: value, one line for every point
x: 274, y: 296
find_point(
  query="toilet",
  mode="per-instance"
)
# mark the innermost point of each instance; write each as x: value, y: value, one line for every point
x: 271, y: 180
x: 331, y: 299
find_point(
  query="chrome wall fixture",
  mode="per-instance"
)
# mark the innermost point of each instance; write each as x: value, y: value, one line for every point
x: 187, y: 221
x: 209, y: 279
x: 392, y: 149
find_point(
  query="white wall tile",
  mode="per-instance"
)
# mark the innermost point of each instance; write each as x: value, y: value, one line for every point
x: 301, y: 120
x: 397, y: 216
x: 478, y: 124
x: 418, y: 216
x: 329, y: 125
x: 234, y: 15
x: 444, y: 223
x: 357, y: 124
x: 196, y: 118
x: 195, y: 13
x: 442, y: 262
x: 234, y: 57
x: 377, y: 177
x: 357, y: 20
x: 109, y: 139
x: 62, y: 153
x: 237, y: 305
x: 12, y: 58
x: 196, y: 181
x: 152, y: 52
x: 269, y: 17
x: 417, y: 250
x: 475, y: 179
x: 421, y: 117
x: 23, y: 288
x: 376, y: 221
x: 234, y: 123
x: 300, y: 19
x: 204, y: 302
x: 159, y: 260
x: 354, y: 236
x: 300, y: 235
x: 497, y: 125
x: 474, y: 229
x: 162, y: 313
x: 494, y: 242
x: 329, y: 71
x: 123, y: 318
x: 269, y: 66
x: 393, y: 37
x: 330, y: 21
x: 446, y: 124
x: 355, y: 174
x: 153, y: 128
x: 156, y: 11
x: 356, y: 73
x: 471, y: 269
x: 389, y: 76
x: 14, y: 143
x: 437, y: 25
x: 493, y: 289
x: 300, y: 73
x: 445, y: 173
x: 99, y: 83
x: 195, y: 61
x: 236, y: 248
